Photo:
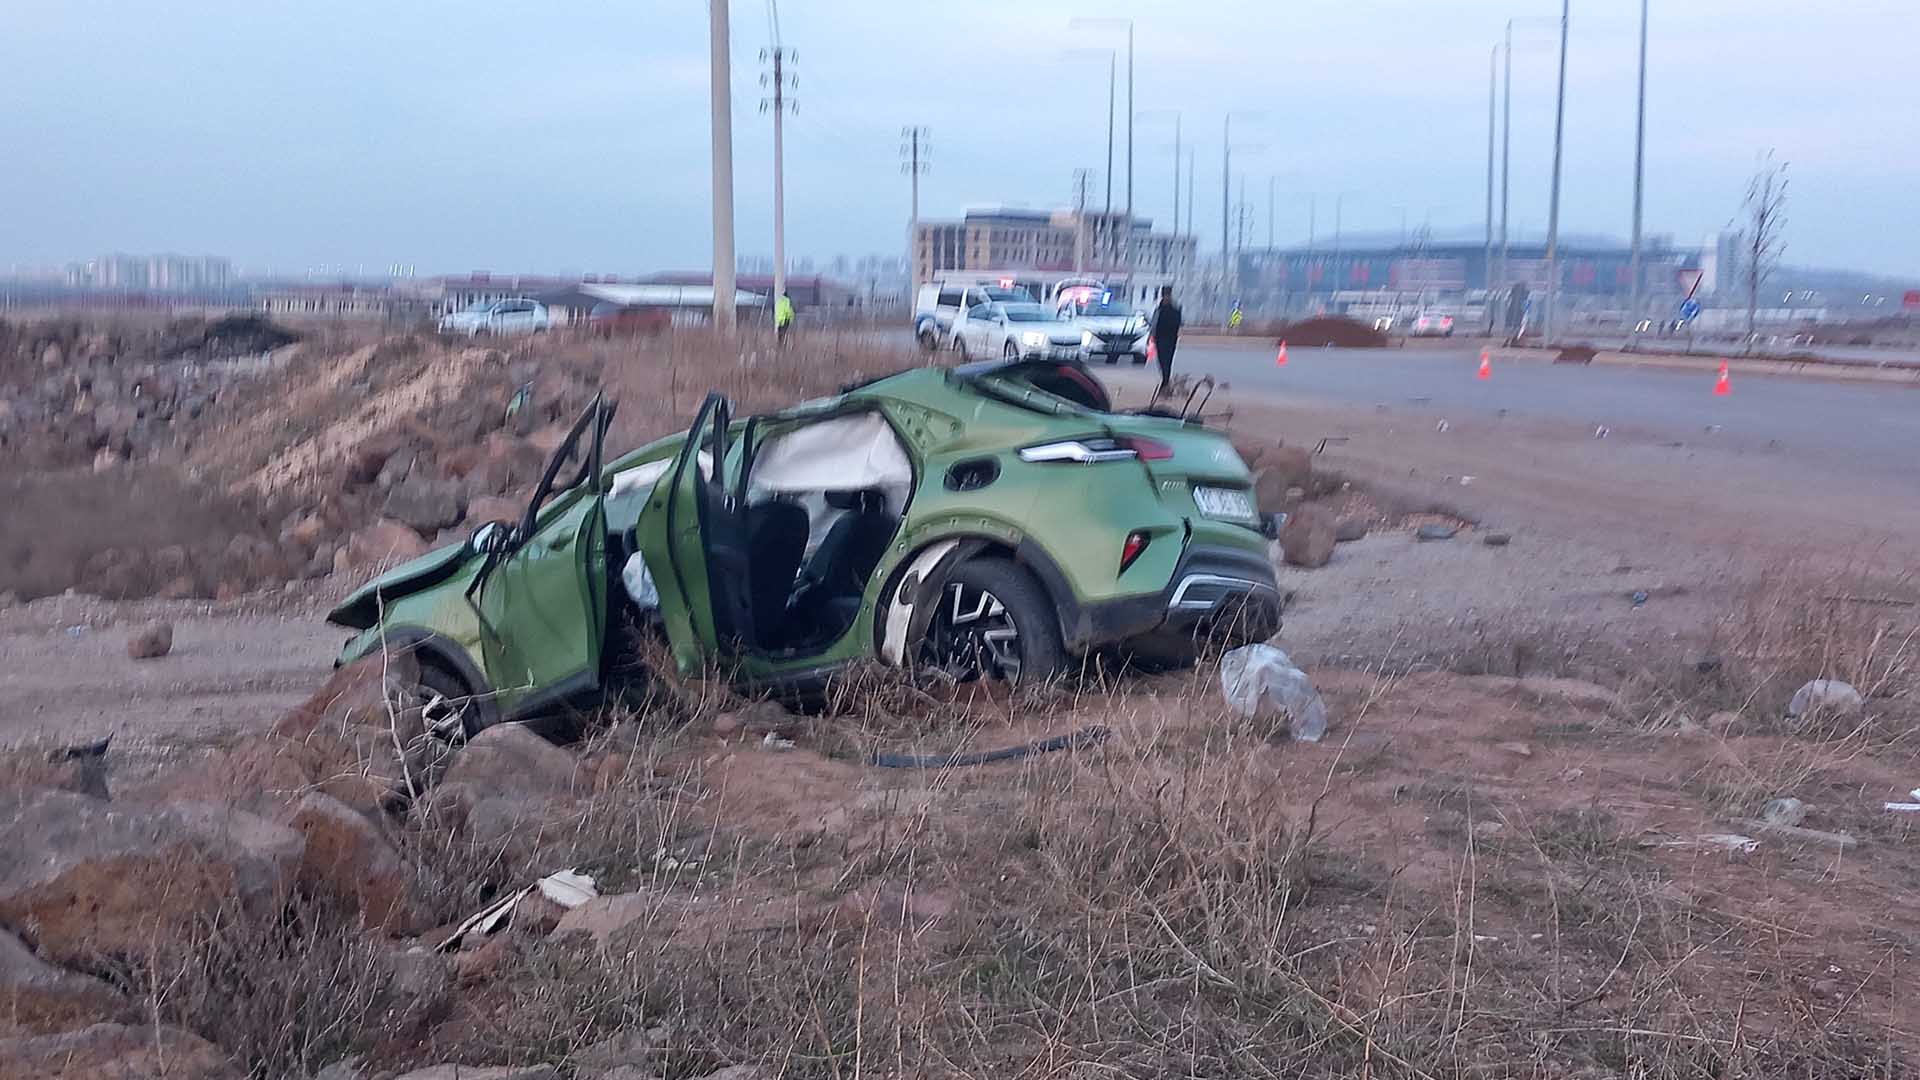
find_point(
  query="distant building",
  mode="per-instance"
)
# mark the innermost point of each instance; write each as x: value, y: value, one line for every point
x: 154, y: 273
x: 1723, y: 275
x: 1453, y: 273
x: 1001, y: 239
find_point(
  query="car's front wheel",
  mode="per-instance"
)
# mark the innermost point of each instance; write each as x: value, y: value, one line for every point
x: 929, y: 341
x: 994, y: 622
x: 1010, y: 350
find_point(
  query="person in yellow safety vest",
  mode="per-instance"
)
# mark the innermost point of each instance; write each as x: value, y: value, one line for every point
x: 1233, y: 321
x: 782, y: 316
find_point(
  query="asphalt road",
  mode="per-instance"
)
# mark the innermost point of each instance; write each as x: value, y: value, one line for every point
x: 1864, y: 427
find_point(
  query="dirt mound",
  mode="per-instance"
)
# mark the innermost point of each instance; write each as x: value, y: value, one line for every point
x: 1575, y: 354
x: 1335, y: 332
x: 231, y: 336
x: 125, y: 533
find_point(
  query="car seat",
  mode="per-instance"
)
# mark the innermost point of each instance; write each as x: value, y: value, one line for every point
x: 828, y: 591
x: 776, y: 543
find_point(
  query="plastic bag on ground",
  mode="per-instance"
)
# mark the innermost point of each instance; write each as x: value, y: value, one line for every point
x: 1259, y: 681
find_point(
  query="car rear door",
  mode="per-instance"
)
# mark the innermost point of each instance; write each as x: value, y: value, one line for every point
x: 693, y: 536
x: 543, y: 605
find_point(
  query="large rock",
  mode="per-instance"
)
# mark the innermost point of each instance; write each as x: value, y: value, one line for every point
x: 382, y: 543
x: 426, y: 505
x: 38, y: 998
x: 509, y: 759
x: 347, y: 856
x: 85, y: 879
x: 151, y: 642
x: 1307, y: 539
x: 116, y: 1052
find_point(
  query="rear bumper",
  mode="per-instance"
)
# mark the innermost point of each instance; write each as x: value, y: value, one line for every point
x: 1213, y: 589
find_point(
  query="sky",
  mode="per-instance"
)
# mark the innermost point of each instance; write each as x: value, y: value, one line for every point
x: 573, y: 135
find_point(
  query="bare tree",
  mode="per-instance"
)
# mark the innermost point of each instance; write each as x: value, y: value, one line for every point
x: 1765, y: 215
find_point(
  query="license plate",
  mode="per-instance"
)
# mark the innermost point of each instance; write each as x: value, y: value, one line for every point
x: 1223, y: 503
x: 1060, y: 353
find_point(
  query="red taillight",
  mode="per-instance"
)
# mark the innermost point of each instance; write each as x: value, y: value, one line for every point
x: 1149, y: 449
x: 1137, y: 542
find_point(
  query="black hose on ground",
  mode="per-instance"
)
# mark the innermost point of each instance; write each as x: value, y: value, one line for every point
x: 1085, y: 737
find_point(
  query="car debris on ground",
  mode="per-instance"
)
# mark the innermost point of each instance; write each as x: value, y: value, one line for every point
x: 566, y: 888
x: 1259, y: 682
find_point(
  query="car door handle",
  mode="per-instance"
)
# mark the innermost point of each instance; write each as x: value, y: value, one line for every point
x: 558, y: 543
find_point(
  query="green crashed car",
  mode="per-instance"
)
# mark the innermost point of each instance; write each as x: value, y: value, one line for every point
x: 990, y: 521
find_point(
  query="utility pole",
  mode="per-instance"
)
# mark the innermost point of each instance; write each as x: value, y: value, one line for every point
x: 1493, y: 76
x: 778, y: 82
x: 720, y: 97
x: 913, y: 154
x: 1639, y: 174
x: 1553, y: 204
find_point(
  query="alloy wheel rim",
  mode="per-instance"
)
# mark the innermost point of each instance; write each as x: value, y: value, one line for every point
x: 974, y: 636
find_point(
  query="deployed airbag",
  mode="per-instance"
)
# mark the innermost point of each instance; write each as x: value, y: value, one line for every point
x: 846, y: 453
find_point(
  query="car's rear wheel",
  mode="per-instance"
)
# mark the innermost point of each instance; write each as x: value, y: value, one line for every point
x: 1010, y: 351
x: 929, y: 341
x: 994, y: 622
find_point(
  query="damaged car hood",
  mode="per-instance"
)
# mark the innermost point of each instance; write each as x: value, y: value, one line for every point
x: 362, y: 609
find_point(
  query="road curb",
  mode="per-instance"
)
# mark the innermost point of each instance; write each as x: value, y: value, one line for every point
x: 1737, y: 365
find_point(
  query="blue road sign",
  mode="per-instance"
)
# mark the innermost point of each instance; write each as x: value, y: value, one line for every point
x: 1689, y: 309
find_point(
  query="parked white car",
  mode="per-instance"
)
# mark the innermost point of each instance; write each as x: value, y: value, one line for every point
x: 1017, y: 332
x: 503, y: 318
x: 937, y: 307
x: 1432, y: 324
x: 1109, y: 331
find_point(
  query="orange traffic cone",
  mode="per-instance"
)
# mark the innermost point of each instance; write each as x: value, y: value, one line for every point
x: 1725, y: 385
x: 1486, y: 363
x: 1281, y: 359
x: 1152, y: 353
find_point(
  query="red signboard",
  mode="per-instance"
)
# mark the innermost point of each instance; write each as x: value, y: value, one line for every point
x: 1912, y: 299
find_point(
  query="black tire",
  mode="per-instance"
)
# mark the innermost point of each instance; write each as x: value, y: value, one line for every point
x: 447, y: 703
x: 1010, y: 350
x: 960, y: 347
x: 995, y: 622
x: 929, y: 341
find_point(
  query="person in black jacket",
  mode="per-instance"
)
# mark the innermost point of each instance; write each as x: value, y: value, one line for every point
x: 1166, y: 335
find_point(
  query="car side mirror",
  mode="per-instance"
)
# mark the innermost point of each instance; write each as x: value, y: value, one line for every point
x: 494, y: 536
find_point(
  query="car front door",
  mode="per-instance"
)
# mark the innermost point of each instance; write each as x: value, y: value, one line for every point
x: 693, y: 536
x: 543, y: 604
x: 983, y: 331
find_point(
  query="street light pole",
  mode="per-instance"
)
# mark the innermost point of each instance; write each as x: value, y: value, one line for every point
x: 1127, y: 242
x: 1506, y: 151
x: 1112, y: 60
x: 1553, y: 203
x: 1639, y: 173
x: 1226, y: 188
